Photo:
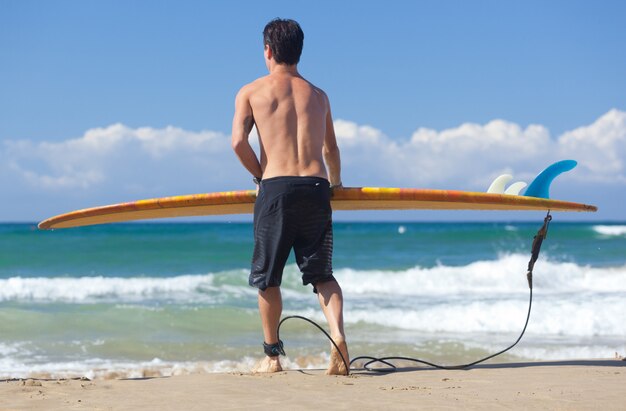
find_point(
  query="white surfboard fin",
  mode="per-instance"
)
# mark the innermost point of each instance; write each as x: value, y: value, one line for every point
x: 515, y: 188
x: 497, y: 187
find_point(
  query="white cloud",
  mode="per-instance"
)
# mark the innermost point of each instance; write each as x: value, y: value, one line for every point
x: 600, y: 147
x: 350, y: 134
x: 116, y: 155
x: 471, y: 155
x: 465, y: 157
x: 119, y: 163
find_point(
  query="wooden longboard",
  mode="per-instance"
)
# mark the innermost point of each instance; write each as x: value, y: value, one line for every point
x: 349, y: 198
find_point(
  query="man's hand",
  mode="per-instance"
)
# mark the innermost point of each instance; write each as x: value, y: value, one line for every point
x: 334, y: 187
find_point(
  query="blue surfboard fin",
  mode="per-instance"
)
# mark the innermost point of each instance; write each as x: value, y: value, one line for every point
x: 540, y: 187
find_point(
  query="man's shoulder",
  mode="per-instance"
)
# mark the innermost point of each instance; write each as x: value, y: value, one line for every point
x: 251, y: 87
x: 320, y: 92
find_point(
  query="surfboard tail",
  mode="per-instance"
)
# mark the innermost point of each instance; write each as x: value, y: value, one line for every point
x: 540, y: 186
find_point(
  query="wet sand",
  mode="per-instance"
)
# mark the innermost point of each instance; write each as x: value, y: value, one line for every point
x: 559, y: 385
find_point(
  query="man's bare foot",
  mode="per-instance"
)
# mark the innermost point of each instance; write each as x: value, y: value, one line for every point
x: 268, y: 364
x: 337, y: 366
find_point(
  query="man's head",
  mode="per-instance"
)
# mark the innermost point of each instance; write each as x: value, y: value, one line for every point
x: 284, y: 39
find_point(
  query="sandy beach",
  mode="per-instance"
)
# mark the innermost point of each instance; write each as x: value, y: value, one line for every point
x: 559, y: 385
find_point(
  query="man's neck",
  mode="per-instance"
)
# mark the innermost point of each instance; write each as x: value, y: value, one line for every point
x: 284, y: 69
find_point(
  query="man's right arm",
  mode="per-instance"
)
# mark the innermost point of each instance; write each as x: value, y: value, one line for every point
x: 243, y: 121
x: 331, y: 152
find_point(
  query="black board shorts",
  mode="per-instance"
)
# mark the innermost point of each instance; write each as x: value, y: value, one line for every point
x: 292, y: 212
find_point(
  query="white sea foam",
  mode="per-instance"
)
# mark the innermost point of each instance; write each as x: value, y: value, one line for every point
x: 9, y: 349
x: 484, y: 296
x: 610, y: 230
x: 197, y: 288
x: 487, y: 297
x: 570, y: 352
x: 565, y: 316
x: 506, y: 275
x: 97, y: 368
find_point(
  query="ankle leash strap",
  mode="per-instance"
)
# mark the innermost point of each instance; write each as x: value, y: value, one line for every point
x: 273, y: 350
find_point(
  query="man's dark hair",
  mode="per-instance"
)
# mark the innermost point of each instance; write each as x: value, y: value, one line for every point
x: 285, y: 38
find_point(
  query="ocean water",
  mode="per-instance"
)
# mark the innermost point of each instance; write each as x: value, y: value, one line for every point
x: 169, y: 298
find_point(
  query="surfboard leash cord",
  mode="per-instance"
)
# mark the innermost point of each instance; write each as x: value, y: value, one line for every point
x: 536, y: 248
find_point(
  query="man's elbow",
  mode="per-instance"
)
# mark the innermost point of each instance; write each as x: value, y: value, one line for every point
x: 331, y: 150
x: 237, y: 144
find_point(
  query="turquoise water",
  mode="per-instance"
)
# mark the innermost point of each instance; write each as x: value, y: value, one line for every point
x: 173, y: 297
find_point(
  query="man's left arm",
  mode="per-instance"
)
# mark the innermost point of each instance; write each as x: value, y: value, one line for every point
x: 331, y: 151
x: 243, y: 121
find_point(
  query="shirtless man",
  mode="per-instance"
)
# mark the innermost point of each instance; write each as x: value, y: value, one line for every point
x: 292, y: 209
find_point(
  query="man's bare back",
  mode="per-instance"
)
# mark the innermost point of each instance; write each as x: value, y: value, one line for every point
x: 294, y: 124
x: 290, y: 115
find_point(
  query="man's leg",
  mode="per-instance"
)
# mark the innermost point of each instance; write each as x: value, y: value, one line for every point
x: 270, y: 308
x: 331, y: 300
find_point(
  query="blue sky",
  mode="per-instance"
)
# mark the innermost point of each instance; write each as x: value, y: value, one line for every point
x: 103, y: 102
